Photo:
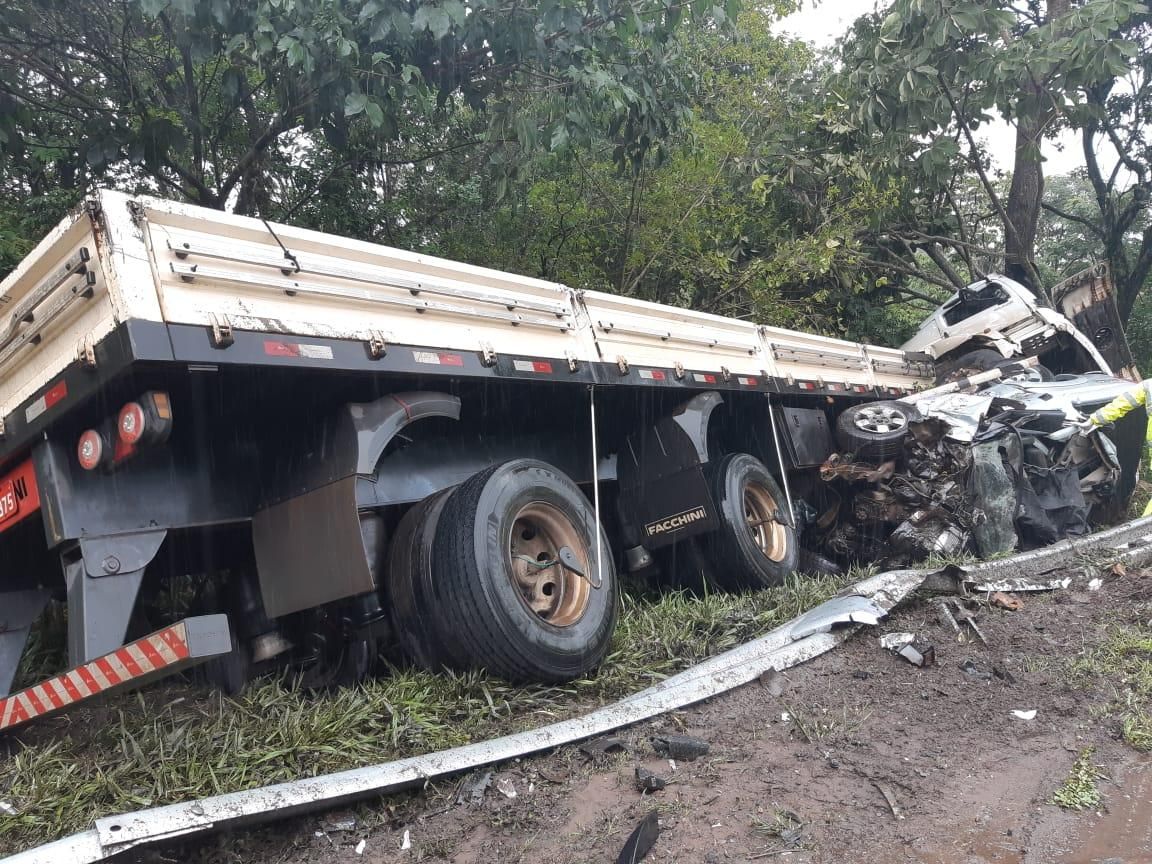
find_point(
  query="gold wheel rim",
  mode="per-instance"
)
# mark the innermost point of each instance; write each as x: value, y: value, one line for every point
x: 548, y: 589
x: 760, y: 510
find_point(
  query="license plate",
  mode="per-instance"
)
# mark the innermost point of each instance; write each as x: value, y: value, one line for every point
x: 9, y: 506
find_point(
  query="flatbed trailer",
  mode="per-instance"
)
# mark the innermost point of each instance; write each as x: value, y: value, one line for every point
x: 343, y: 446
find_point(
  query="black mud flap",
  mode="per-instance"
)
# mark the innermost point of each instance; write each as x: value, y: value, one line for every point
x: 664, y: 495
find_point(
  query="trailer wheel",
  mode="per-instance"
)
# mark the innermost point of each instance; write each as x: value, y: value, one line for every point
x: 408, y: 586
x: 875, y: 431
x: 516, y: 576
x: 754, y: 547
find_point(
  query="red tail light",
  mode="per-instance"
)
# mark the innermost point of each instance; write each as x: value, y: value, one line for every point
x: 91, y: 450
x: 130, y: 425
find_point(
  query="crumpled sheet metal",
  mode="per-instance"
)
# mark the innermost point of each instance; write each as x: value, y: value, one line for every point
x: 961, y: 411
x: 845, y: 609
x: 775, y: 650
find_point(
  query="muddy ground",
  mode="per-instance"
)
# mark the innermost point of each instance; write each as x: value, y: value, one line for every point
x: 817, y: 763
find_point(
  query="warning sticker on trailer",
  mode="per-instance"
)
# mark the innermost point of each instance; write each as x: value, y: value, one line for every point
x: 57, y: 393
x: 747, y: 382
x: 703, y: 378
x: 297, y: 349
x: 538, y: 366
x: 437, y: 358
x: 652, y: 374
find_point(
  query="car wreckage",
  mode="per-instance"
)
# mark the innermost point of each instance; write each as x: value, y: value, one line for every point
x: 994, y: 462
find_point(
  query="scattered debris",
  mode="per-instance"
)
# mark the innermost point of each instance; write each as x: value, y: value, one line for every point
x: 1095, y: 584
x: 680, y: 747
x: 342, y: 825
x: 1003, y: 674
x: 890, y: 798
x: 506, y: 787
x: 896, y: 641
x: 1025, y: 715
x: 361, y: 846
x: 1005, y: 601
x: 406, y: 843
x: 786, y: 827
x: 773, y: 682
x: 7, y: 809
x: 861, y: 675
x: 473, y: 792
x: 553, y: 776
x: 641, y: 840
x: 906, y: 645
x: 964, y: 617
x: 849, y: 609
x: 602, y: 746
x: 1023, y: 585
x: 947, y: 615
x: 1118, y: 569
x: 646, y: 781
x: 970, y: 668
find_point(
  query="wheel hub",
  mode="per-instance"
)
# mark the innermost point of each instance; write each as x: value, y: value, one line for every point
x: 880, y: 419
x: 548, y: 560
x: 769, y: 534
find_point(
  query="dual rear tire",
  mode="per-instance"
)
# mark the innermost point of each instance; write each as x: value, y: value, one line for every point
x: 508, y: 572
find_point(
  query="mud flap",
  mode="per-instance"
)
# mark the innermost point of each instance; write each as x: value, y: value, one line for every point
x: 307, y: 536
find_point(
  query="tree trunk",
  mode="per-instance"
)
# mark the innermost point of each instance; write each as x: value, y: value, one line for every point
x: 1023, y: 204
x: 1033, y: 114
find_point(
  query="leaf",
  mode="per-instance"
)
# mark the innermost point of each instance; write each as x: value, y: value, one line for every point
x: 432, y: 18
x: 355, y: 103
x: 375, y: 114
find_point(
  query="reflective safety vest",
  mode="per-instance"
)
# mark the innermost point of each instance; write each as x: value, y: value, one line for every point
x: 1139, y: 396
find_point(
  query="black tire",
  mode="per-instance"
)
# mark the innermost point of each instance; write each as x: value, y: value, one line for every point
x: 750, y: 549
x: 481, y: 589
x: 408, y: 586
x: 875, y: 431
x: 983, y: 360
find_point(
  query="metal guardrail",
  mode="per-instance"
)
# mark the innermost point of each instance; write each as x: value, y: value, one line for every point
x: 1131, y: 542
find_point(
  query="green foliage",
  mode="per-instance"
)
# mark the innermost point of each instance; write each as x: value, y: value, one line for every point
x: 192, y: 97
x: 1079, y: 790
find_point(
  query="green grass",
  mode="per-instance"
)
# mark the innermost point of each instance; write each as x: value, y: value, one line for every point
x: 175, y: 743
x: 1124, y: 662
x: 1079, y: 790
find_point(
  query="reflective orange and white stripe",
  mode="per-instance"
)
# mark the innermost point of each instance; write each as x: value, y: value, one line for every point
x: 126, y: 665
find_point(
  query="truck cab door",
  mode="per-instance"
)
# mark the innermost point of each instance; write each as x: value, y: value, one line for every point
x: 1088, y: 300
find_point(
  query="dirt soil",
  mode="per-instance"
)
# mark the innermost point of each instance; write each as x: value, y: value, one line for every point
x: 860, y: 757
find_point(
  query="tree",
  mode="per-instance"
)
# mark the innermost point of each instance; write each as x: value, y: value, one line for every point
x: 195, y: 98
x: 936, y: 70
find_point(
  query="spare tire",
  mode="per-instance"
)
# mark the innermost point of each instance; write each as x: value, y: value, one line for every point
x: 875, y: 431
x: 516, y: 575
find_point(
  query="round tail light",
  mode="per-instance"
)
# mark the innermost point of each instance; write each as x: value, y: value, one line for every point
x: 90, y: 450
x: 130, y: 424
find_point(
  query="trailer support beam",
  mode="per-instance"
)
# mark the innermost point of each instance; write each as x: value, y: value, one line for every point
x: 18, y: 612
x: 103, y: 581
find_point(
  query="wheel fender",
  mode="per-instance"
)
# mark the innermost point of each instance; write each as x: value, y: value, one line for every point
x: 693, y: 417
x: 374, y: 424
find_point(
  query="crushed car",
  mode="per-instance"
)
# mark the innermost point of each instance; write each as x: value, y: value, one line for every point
x: 998, y: 462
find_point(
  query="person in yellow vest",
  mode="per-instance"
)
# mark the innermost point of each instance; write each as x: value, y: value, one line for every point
x: 1136, y: 396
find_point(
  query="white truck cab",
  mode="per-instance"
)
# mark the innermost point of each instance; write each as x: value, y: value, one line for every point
x: 998, y: 314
